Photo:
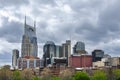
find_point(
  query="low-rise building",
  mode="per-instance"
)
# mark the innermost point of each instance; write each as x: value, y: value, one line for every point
x: 98, y: 64
x: 115, y: 61
x: 28, y: 62
x: 79, y: 61
x: 104, y: 62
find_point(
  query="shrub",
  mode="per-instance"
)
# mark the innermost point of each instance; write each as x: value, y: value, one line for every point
x: 16, y: 75
x: 27, y: 74
x: 55, y: 78
x: 5, y: 74
x: 46, y: 74
x: 116, y: 74
x: 36, y: 78
x: 66, y: 74
x: 99, y: 75
x: 81, y: 76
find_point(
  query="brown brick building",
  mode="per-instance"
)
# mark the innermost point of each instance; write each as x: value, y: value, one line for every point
x: 79, y: 61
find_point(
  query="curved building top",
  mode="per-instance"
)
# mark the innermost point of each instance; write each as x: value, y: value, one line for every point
x: 49, y: 43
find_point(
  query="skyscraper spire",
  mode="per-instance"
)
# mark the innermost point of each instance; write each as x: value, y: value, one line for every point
x: 25, y: 20
x: 35, y: 25
x: 25, y: 24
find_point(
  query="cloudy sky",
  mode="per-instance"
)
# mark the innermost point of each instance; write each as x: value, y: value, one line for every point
x: 95, y: 22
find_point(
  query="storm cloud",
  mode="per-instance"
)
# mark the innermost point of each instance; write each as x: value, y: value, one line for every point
x: 95, y: 22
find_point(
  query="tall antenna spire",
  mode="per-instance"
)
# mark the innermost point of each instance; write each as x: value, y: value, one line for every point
x: 25, y: 24
x: 25, y: 19
x: 35, y: 25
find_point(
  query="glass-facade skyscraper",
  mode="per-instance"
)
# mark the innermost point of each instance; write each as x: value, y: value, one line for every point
x: 29, y: 48
x: 49, y: 52
x: 29, y: 41
x: 97, y: 55
x: 79, y: 48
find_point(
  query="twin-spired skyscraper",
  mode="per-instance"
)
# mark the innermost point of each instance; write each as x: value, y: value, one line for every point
x: 29, y: 41
x: 29, y: 48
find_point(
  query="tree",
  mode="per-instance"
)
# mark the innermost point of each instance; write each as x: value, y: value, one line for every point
x: 16, y: 75
x: 5, y: 74
x: 116, y: 73
x: 81, y: 76
x: 6, y: 67
x: 66, y: 74
x: 36, y: 78
x: 55, y: 78
x: 46, y: 74
x: 99, y: 75
x: 27, y: 74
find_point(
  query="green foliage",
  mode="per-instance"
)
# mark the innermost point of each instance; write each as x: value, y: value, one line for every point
x: 6, y: 67
x: 27, y: 74
x: 116, y: 74
x: 5, y: 74
x: 55, y: 78
x: 107, y: 74
x: 118, y: 78
x: 81, y: 76
x: 66, y: 74
x: 16, y: 75
x: 99, y: 75
x: 36, y: 78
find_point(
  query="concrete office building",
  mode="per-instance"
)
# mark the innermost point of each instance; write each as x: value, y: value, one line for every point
x: 15, y: 56
x: 115, y: 62
x: 66, y: 48
x: 28, y: 62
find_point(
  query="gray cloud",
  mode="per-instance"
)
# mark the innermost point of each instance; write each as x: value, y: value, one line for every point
x: 46, y: 2
x: 5, y: 58
x: 11, y: 31
x: 12, y: 3
x: 94, y: 22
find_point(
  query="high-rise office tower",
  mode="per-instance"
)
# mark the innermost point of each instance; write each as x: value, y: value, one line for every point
x: 29, y: 50
x: 79, y: 48
x: 15, y: 56
x: 59, y: 51
x: 49, y: 52
x: 56, y: 54
x: 29, y: 41
x: 66, y: 48
x: 97, y: 55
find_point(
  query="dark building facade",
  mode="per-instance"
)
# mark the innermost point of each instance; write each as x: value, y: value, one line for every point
x: 97, y: 55
x: 79, y: 48
x: 53, y: 53
x: 49, y: 52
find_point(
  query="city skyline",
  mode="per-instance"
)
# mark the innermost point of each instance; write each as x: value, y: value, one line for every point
x: 96, y: 23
